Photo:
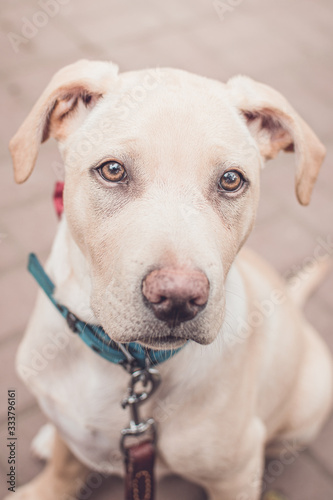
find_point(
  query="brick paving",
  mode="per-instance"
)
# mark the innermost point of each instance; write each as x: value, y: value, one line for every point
x: 285, y: 44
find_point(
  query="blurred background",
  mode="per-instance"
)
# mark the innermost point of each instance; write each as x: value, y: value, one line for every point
x: 286, y: 44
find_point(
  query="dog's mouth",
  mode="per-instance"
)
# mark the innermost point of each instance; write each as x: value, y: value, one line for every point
x: 165, y: 342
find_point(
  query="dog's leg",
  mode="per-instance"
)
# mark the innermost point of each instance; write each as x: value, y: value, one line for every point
x: 43, y: 443
x: 59, y: 480
x: 241, y: 479
x: 245, y: 484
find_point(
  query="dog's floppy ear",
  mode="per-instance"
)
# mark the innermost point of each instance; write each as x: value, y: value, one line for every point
x: 276, y: 126
x: 72, y: 92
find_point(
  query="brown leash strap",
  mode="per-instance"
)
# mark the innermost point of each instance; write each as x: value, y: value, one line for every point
x: 139, y: 481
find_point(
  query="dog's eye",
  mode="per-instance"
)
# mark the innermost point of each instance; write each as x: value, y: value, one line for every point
x: 112, y: 171
x: 231, y: 181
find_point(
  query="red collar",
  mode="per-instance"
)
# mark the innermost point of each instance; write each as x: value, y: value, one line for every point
x: 58, y: 198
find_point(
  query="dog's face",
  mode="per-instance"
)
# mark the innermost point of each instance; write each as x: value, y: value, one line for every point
x: 161, y: 190
x: 170, y: 185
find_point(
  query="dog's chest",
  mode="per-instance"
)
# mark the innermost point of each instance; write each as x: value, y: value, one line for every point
x: 94, y: 440
x: 83, y: 399
x: 86, y: 409
x: 81, y: 394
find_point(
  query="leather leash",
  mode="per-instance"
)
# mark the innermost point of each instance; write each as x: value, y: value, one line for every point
x: 139, y: 483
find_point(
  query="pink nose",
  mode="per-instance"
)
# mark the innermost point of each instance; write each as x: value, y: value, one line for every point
x: 176, y: 295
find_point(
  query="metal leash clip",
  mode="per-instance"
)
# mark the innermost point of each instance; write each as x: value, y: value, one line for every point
x: 149, y: 379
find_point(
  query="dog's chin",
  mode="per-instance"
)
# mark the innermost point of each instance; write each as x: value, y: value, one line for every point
x: 159, y: 336
x: 159, y: 343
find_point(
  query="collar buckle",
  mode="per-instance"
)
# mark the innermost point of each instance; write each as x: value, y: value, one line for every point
x: 72, y: 321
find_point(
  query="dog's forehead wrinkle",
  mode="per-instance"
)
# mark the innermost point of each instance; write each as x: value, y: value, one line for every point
x: 171, y: 79
x: 196, y: 100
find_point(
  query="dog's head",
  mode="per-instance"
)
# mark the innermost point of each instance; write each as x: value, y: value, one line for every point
x: 161, y: 187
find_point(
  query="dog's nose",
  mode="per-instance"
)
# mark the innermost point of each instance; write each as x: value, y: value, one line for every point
x: 176, y: 295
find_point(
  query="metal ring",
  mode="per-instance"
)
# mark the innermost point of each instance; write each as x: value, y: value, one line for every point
x: 138, y: 430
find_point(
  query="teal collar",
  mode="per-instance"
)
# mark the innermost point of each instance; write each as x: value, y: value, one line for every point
x: 94, y: 336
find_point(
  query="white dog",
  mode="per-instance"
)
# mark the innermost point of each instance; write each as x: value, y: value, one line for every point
x: 162, y: 175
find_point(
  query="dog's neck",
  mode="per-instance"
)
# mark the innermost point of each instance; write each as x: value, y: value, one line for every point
x: 68, y: 269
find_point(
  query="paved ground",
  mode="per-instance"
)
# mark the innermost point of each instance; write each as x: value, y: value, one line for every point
x: 285, y: 44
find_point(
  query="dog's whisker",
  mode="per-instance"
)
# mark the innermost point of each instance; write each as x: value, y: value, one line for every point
x: 237, y: 294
